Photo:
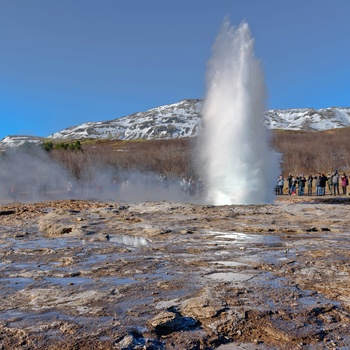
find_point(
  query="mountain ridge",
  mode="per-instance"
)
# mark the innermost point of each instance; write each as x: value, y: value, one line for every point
x: 183, y: 119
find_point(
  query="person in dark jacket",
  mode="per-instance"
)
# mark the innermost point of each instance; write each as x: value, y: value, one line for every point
x: 301, y: 185
x: 309, y: 185
x: 293, y: 185
x: 289, y: 179
x: 323, y: 182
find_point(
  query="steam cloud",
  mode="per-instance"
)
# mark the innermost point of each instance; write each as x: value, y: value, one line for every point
x: 30, y: 174
x: 237, y: 163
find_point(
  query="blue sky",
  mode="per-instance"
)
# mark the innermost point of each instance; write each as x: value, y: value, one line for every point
x: 63, y: 63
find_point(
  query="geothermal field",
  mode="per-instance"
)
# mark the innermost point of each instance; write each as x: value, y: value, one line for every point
x: 165, y: 275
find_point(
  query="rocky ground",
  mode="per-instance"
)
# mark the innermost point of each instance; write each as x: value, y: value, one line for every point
x: 161, y: 275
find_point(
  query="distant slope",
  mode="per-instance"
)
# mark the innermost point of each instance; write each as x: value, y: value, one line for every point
x: 183, y: 119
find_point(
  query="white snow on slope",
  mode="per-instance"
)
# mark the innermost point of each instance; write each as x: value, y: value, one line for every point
x: 171, y: 121
x: 308, y: 119
x: 19, y: 140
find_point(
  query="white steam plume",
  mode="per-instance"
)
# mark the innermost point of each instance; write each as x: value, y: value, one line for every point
x: 30, y: 174
x: 237, y: 163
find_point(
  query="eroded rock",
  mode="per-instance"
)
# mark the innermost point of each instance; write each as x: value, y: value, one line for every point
x: 170, y: 321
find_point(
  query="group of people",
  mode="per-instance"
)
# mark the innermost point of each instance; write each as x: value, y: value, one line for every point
x: 336, y: 184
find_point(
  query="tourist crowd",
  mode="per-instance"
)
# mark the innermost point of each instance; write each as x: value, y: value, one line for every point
x: 313, y: 184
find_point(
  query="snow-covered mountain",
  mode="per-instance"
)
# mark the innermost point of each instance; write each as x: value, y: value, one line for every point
x: 183, y: 119
x: 308, y: 119
x: 165, y: 122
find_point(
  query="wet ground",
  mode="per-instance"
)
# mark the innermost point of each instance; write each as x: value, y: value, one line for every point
x: 162, y: 275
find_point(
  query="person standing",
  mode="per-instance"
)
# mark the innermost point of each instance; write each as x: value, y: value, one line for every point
x: 330, y: 183
x: 289, y: 179
x: 323, y: 181
x: 318, y: 184
x: 293, y: 186
x: 280, y: 184
x: 344, y: 183
x: 309, y: 185
x: 301, y: 185
x: 335, y: 180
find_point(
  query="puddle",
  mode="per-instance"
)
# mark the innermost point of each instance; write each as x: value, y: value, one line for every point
x: 65, y: 281
x: 238, y: 237
x: 23, y: 319
x: 272, y: 257
x: 230, y: 263
x: 16, y: 282
x: 133, y: 241
x: 45, y: 243
x: 112, y: 281
x: 32, y: 266
x: 230, y: 276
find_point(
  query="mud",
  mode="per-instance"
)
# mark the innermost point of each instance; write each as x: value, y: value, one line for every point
x: 162, y: 275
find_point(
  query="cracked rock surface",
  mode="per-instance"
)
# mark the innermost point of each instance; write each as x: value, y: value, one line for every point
x: 161, y: 275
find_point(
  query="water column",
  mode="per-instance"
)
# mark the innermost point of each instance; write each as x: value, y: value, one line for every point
x: 237, y: 164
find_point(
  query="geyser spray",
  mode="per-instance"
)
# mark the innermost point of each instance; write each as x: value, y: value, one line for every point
x: 237, y: 164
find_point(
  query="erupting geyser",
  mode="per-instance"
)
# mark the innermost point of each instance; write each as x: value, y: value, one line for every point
x: 238, y: 166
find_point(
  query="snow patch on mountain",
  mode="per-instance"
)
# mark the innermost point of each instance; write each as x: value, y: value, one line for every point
x: 19, y: 140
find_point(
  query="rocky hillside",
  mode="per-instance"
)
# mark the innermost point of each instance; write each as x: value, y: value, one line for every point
x: 170, y: 121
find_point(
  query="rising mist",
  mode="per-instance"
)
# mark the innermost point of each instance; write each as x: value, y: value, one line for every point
x: 30, y: 173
